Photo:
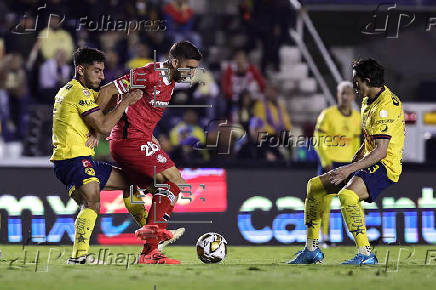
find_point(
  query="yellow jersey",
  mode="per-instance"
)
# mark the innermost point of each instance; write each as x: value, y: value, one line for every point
x: 344, y: 133
x: 383, y: 118
x: 72, y: 103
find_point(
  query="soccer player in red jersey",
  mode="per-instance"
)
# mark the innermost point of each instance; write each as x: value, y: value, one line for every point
x: 138, y: 152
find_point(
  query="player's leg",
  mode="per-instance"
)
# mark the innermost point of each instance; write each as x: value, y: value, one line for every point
x: 317, y: 189
x: 88, y: 196
x: 325, y: 219
x: 134, y: 204
x: 352, y: 211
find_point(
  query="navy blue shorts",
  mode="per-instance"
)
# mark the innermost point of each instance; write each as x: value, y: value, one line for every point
x: 376, y: 180
x: 80, y: 170
x: 335, y: 165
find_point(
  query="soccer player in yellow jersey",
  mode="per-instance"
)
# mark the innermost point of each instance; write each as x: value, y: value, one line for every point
x: 75, y: 113
x: 375, y: 166
x: 341, y: 125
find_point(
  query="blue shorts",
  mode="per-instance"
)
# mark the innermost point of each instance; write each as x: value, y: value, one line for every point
x: 376, y: 180
x: 78, y: 171
x: 334, y: 164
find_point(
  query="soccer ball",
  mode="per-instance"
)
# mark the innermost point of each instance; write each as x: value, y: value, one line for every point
x: 211, y: 248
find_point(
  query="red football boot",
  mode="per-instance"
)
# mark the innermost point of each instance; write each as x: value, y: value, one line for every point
x: 153, y: 232
x: 153, y: 256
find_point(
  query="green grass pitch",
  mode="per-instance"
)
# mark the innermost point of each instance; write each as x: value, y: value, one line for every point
x: 259, y: 267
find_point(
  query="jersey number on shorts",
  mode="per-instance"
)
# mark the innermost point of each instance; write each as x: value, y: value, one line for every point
x: 149, y: 148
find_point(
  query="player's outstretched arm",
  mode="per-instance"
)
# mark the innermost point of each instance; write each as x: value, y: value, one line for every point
x: 359, y: 154
x: 103, y: 124
x: 107, y: 97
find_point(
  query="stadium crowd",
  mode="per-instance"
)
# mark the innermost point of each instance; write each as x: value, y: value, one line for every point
x: 37, y: 39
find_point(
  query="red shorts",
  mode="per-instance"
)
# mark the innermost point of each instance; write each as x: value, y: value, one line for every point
x: 138, y: 158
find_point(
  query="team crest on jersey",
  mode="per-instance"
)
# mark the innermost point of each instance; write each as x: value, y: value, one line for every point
x: 90, y: 171
x: 86, y: 92
x: 161, y: 158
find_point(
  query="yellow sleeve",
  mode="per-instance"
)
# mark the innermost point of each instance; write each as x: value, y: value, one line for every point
x: 383, y: 122
x: 85, y: 102
x: 321, y: 130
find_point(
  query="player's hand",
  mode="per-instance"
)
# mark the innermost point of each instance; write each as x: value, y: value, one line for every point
x: 338, y: 175
x: 133, y: 97
x: 93, y: 140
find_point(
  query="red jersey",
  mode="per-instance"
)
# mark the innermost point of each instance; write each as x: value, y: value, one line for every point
x: 140, y: 119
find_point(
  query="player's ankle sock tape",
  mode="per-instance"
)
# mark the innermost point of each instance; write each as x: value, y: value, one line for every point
x: 365, y: 250
x: 313, y: 207
x: 84, y: 226
x: 312, y: 244
x: 163, y: 205
x: 353, y: 216
x: 137, y: 210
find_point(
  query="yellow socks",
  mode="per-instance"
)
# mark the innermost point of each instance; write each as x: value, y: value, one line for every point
x: 84, y: 226
x: 137, y: 210
x: 354, y: 217
x: 325, y: 217
x: 313, y: 209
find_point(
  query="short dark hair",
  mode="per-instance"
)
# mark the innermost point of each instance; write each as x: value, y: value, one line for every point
x: 185, y: 50
x: 371, y: 69
x: 88, y: 56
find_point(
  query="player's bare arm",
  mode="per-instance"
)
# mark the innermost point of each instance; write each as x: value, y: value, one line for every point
x: 340, y: 174
x: 107, y: 97
x: 359, y: 154
x: 103, y: 124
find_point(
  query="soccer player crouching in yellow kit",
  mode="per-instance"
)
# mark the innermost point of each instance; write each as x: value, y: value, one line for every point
x: 75, y: 113
x: 375, y: 166
x: 341, y: 125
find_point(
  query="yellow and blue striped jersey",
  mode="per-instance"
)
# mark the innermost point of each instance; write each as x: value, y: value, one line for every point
x: 383, y: 118
x: 72, y: 103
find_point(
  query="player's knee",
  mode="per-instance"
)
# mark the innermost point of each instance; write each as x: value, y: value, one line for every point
x: 313, y: 186
x: 348, y: 197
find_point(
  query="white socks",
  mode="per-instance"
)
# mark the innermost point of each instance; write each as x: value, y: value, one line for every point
x: 365, y: 250
x: 311, y: 244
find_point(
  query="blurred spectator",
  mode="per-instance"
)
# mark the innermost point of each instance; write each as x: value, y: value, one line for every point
x: 23, y: 37
x: 141, y: 57
x: 272, y: 111
x: 53, y: 74
x: 15, y: 86
x: 113, y: 69
x: 53, y: 37
x: 180, y: 20
x: 186, y: 135
x: 245, y: 110
x: 240, y: 75
x: 270, y: 20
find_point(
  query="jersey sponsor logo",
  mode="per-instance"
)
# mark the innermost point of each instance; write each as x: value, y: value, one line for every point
x: 90, y: 171
x: 86, y: 102
x: 384, y: 128
x: 158, y: 103
x: 161, y: 158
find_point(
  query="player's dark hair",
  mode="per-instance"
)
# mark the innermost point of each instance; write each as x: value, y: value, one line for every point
x: 371, y: 69
x: 87, y: 56
x: 185, y: 50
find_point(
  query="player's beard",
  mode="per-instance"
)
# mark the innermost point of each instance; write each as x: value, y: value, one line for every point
x: 176, y: 75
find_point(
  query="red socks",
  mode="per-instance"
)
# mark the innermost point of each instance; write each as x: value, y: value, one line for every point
x: 163, y: 205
